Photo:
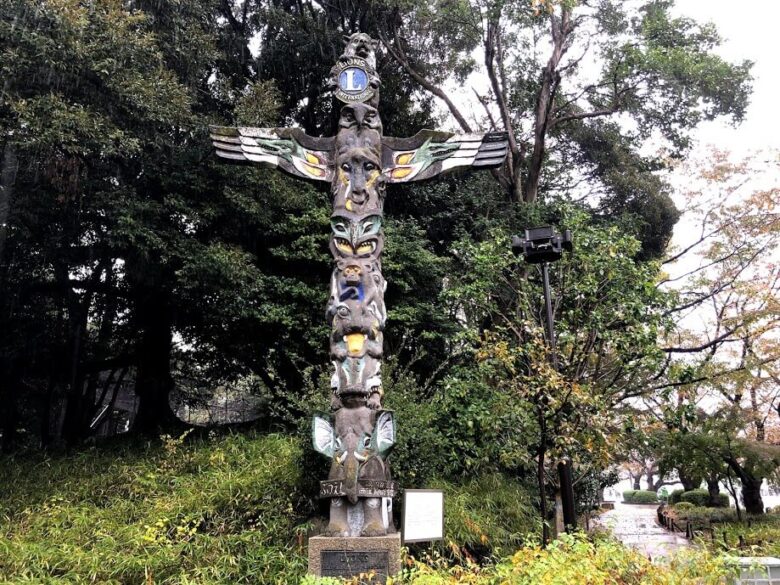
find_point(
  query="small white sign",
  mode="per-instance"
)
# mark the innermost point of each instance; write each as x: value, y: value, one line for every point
x: 423, y: 515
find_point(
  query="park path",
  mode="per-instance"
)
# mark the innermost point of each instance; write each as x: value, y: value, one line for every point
x: 636, y: 525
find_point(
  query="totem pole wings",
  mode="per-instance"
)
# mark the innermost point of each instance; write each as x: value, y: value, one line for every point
x: 430, y: 153
x: 289, y: 149
x: 425, y: 155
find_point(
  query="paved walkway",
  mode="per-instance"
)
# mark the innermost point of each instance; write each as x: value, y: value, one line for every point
x: 636, y: 525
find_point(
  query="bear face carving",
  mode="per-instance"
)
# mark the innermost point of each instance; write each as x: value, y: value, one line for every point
x: 359, y: 185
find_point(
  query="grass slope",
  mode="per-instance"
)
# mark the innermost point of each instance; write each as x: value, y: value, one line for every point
x: 218, y: 510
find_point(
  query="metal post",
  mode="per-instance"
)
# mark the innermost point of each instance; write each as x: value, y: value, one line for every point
x: 564, y: 467
x: 548, y: 309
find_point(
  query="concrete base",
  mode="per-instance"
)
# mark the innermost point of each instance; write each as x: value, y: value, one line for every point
x: 352, y: 556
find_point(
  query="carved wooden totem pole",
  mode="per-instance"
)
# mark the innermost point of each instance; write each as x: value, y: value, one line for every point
x: 358, y: 162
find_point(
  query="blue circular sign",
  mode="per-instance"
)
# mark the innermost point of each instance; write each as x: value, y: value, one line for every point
x: 353, y: 80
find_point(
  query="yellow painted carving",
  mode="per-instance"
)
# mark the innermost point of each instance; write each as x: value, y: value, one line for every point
x: 348, y: 205
x: 401, y: 172
x: 405, y: 158
x: 343, y: 177
x: 365, y: 248
x: 372, y: 178
x: 312, y: 158
x: 355, y: 342
x: 343, y: 245
x: 313, y: 171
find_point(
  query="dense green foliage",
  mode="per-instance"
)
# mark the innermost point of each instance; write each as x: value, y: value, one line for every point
x: 129, y: 257
x: 640, y: 497
x: 758, y: 537
x: 720, y: 530
x: 234, y: 508
x: 700, y: 517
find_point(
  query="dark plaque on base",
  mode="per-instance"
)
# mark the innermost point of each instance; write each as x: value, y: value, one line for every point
x: 332, y: 556
x: 348, y: 563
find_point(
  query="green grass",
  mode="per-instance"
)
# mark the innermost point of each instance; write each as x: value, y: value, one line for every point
x: 220, y: 510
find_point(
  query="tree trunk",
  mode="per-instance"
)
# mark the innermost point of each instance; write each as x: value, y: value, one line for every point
x: 713, y: 487
x: 154, y: 382
x: 636, y: 479
x: 44, y: 412
x: 650, y: 480
x: 9, y: 395
x: 7, y: 178
x: 551, y: 77
x: 540, y: 475
x: 689, y: 482
x: 73, y: 424
x: 751, y: 487
x: 751, y: 495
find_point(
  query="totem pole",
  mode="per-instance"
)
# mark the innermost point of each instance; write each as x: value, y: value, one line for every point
x: 358, y: 162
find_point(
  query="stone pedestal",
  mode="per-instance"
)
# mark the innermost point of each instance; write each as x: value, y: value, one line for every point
x: 351, y: 556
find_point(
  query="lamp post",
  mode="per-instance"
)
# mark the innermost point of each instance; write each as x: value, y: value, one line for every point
x: 542, y: 245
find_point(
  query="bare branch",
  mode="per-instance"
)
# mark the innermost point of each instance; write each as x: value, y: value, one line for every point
x: 395, y: 49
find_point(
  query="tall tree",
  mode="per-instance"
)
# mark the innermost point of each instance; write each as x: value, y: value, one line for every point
x: 580, y: 87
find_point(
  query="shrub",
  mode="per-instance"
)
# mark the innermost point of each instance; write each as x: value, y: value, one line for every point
x: 702, y: 498
x: 700, y: 516
x: 575, y: 559
x: 488, y: 515
x: 640, y: 497
x: 761, y: 536
x: 674, y: 497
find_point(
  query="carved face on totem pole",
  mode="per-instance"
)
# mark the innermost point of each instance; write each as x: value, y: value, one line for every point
x: 358, y: 440
x: 358, y: 185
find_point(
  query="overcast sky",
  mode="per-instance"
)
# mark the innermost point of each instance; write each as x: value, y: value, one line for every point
x: 748, y: 34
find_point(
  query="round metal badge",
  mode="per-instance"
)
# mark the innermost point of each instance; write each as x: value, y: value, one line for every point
x: 353, y: 80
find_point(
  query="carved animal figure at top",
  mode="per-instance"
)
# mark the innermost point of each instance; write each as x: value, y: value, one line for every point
x: 363, y: 46
x: 360, y: 116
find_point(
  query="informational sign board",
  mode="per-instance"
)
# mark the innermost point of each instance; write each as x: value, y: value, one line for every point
x: 423, y: 515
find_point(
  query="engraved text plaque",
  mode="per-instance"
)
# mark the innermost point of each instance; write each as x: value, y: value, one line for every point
x: 350, y: 563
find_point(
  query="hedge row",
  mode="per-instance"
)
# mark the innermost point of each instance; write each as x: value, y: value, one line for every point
x: 698, y: 497
x: 639, y: 497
